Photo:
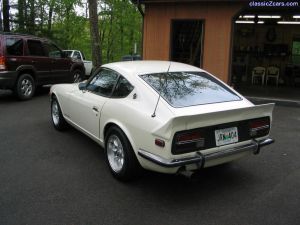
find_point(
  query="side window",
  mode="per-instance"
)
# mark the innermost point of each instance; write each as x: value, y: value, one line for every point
x: 14, y: 46
x: 53, y: 51
x: 35, y: 48
x: 123, y: 88
x: 76, y: 55
x: 83, y: 56
x: 103, y: 82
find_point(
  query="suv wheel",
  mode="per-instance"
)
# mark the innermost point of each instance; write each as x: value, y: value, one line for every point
x: 25, y: 87
x: 76, y: 76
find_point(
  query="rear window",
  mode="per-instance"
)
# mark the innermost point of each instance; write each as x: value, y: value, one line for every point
x: 14, y: 46
x: 182, y: 89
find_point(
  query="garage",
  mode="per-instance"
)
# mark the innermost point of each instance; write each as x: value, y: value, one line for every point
x: 266, y: 52
x: 251, y: 45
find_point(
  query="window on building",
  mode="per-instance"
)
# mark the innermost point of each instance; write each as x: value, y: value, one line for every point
x: 296, y: 51
x: 186, y: 41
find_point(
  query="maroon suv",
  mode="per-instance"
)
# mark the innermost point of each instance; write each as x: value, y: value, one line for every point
x: 27, y: 62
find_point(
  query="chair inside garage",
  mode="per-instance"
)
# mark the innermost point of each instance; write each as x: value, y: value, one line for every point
x: 272, y: 74
x: 258, y: 75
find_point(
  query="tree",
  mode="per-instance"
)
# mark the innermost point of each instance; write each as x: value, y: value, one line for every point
x: 110, y: 32
x: 21, y: 16
x: 5, y: 8
x: 32, y: 16
x: 94, y: 31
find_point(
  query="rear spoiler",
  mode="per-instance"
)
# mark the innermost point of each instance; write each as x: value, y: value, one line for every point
x: 208, y: 119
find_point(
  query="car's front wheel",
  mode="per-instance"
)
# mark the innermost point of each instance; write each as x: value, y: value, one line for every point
x: 77, y: 76
x: 120, y: 156
x: 25, y: 87
x: 58, y: 120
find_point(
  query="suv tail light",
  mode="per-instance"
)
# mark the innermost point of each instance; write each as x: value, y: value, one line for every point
x: 188, y: 141
x: 2, y: 63
x: 259, y: 127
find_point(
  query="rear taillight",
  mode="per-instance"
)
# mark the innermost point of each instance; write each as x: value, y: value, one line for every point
x: 2, y: 63
x: 259, y: 127
x: 188, y: 142
x: 186, y: 138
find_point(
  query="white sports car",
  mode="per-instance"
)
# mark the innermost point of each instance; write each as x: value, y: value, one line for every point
x: 162, y: 116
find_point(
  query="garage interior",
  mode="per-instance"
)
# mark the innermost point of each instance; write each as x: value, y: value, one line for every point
x: 266, y: 53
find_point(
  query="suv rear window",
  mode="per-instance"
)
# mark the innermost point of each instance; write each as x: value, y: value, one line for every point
x: 14, y: 46
x: 182, y: 89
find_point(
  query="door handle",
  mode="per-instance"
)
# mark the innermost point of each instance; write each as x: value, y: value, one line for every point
x: 95, y: 109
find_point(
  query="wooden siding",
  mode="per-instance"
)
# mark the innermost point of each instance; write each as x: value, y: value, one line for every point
x: 217, y: 31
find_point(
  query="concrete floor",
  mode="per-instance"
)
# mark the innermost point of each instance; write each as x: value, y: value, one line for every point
x: 271, y: 92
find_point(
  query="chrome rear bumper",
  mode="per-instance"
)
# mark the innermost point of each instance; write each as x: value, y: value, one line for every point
x: 200, y: 159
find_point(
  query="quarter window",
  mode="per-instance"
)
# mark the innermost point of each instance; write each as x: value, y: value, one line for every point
x: 35, y: 48
x: 103, y: 82
x: 53, y: 51
x: 14, y: 46
x: 123, y: 88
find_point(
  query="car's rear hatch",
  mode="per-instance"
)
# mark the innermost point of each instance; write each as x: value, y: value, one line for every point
x: 202, y: 130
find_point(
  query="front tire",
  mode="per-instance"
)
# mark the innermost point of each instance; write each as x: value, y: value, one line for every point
x: 58, y: 120
x: 25, y: 87
x: 77, y: 76
x: 120, y: 156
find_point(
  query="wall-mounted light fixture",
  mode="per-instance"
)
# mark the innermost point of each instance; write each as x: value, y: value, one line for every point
x: 247, y: 16
x: 269, y: 17
x: 249, y: 22
x: 245, y: 21
x: 288, y: 22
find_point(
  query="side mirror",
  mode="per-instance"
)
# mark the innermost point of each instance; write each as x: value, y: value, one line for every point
x: 82, y: 86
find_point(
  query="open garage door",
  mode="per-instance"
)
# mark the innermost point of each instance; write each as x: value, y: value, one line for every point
x: 266, y: 52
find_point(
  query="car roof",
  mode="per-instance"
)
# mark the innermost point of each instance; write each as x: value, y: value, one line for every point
x: 26, y: 36
x: 149, y: 66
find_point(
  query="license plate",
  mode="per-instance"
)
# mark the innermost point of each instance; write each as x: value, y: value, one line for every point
x: 226, y: 136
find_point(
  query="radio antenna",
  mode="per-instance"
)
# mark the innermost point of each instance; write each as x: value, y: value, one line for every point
x: 161, y: 87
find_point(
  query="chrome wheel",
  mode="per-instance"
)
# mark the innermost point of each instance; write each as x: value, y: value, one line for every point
x: 115, y: 153
x: 26, y: 87
x: 55, y: 113
x: 76, y: 77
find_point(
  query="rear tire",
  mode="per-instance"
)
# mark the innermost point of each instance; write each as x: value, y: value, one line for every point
x: 120, y: 156
x: 25, y: 87
x: 58, y: 120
